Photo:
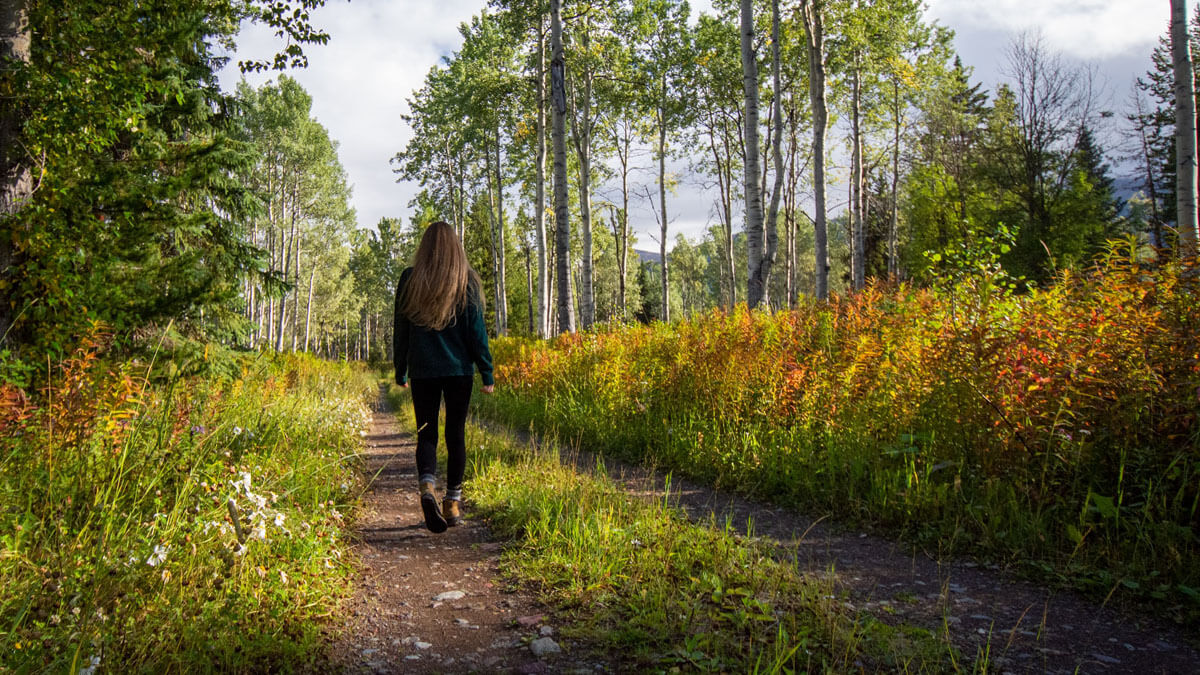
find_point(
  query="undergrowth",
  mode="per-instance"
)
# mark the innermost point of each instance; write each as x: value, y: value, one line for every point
x: 192, y: 522
x: 1057, y: 431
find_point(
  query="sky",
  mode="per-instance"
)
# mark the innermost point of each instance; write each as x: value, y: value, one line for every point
x: 380, y: 50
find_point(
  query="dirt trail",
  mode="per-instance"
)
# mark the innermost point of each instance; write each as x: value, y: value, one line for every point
x: 1022, y: 627
x: 431, y: 603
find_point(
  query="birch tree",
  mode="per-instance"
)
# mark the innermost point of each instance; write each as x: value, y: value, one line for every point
x: 750, y: 185
x: 1185, y: 131
x: 814, y: 30
x: 562, y: 226
x: 15, y: 37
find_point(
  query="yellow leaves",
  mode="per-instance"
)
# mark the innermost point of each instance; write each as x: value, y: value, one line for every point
x: 904, y: 71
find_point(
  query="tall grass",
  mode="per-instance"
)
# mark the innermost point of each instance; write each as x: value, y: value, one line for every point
x: 1058, y: 429
x: 187, y: 523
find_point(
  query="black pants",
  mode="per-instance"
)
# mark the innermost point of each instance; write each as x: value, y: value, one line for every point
x: 427, y: 394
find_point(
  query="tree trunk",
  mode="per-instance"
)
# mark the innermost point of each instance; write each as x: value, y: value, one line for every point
x: 502, y: 269
x: 1185, y: 132
x: 15, y: 48
x: 754, y: 216
x: 529, y: 285
x: 858, y: 240
x: 296, y: 299
x: 289, y: 245
x: 615, y: 224
x: 730, y: 262
x: 494, y: 239
x: 1148, y: 164
x: 790, y: 209
x: 562, y: 227
x: 662, y: 202
x: 540, y: 205
x: 772, y: 234
x: 894, y: 219
x: 582, y: 137
x: 308, y: 307
x: 814, y: 29
x: 623, y: 140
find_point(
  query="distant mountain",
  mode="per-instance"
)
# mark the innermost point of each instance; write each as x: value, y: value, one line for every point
x: 648, y: 256
x: 1126, y: 187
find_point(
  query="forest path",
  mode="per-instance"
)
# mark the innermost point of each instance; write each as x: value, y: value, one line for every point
x: 1019, y: 626
x: 429, y: 603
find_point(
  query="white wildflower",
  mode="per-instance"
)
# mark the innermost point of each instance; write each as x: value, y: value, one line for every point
x: 243, y: 483
x: 159, y: 556
x: 90, y: 669
x: 237, y: 431
x: 279, y: 518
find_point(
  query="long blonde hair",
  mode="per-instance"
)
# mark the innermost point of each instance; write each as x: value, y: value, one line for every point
x: 442, y: 282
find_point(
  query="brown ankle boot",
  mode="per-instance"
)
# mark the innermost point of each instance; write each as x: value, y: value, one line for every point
x: 451, y: 512
x: 433, y: 519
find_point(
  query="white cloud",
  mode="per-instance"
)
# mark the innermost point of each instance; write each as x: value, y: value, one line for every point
x: 1084, y: 29
x: 378, y: 53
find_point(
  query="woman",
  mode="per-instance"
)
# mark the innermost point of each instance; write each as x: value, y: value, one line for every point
x: 439, y: 339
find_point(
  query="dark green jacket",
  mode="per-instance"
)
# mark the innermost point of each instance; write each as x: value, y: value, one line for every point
x: 453, y: 351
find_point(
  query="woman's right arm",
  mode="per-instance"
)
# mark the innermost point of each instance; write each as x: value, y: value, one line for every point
x: 401, y: 327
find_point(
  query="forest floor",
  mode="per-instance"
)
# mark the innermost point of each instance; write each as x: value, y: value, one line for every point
x: 434, y: 603
x: 437, y: 603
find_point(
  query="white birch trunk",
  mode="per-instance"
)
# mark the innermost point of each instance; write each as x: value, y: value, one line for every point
x: 1185, y: 131
x: 562, y: 226
x: 308, y: 307
x: 772, y: 234
x: 15, y: 46
x: 754, y: 216
x: 540, y: 205
x: 814, y: 28
x: 662, y: 204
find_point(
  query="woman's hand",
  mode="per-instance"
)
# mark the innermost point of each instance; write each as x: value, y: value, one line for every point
x: 489, y: 388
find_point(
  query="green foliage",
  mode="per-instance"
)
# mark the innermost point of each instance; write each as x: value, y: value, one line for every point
x: 977, y: 258
x: 118, y: 500
x: 135, y: 217
x: 306, y: 225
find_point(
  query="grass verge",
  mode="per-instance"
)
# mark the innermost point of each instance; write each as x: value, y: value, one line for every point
x: 192, y: 523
